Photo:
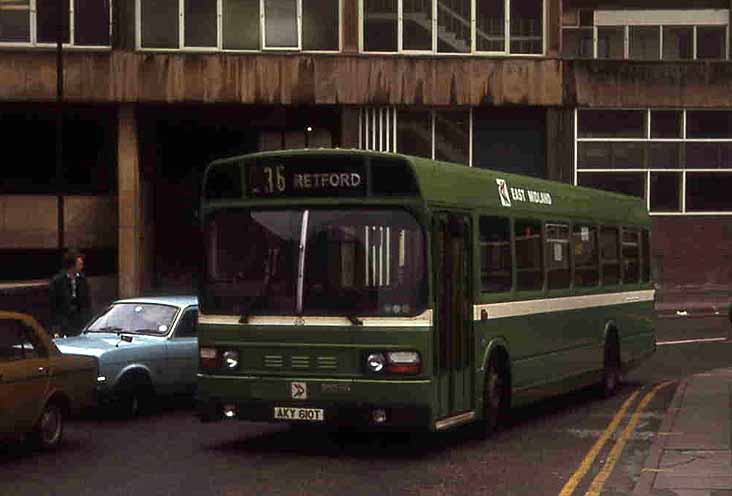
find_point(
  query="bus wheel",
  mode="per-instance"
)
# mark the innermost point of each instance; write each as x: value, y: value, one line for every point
x: 611, y: 374
x: 494, y: 397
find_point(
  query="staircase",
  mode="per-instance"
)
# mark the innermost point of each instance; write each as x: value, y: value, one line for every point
x: 453, y: 26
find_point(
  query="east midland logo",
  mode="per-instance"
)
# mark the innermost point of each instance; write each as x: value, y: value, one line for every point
x: 503, y: 192
x: 522, y: 195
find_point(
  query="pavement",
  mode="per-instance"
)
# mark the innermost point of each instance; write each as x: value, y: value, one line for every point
x: 692, y: 453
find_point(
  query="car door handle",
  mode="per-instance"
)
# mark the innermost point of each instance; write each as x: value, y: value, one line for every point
x: 43, y: 371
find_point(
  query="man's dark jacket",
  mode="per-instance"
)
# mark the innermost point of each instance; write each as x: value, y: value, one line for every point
x: 69, y: 314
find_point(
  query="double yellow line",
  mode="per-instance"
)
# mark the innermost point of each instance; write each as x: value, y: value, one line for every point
x: 599, y: 481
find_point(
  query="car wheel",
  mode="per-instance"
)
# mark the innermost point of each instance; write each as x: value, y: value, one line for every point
x: 612, y: 373
x: 49, y: 430
x: 133, y: 399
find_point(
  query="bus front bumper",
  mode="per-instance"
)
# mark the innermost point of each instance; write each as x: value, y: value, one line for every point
x: 363, y: 403
x: 316, y: 413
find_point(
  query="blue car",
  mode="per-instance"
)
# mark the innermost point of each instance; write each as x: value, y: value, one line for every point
x: 144, y: 347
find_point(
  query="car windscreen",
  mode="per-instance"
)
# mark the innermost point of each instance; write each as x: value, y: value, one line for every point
x: 139, y: 318
x: 360, y: 262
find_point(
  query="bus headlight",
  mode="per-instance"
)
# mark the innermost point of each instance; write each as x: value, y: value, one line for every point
x: 375, y: 362
x: 231, y: 359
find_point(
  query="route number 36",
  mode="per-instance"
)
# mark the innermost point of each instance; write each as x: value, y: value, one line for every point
x: 275, y: 179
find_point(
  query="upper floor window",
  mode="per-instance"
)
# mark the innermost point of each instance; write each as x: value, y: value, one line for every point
x: 454, y: 26
x: 35, y: 22
x: 646, y: 34
x: 679, y: 160
x: 312, y: 25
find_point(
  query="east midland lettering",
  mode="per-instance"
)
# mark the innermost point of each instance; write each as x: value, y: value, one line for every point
x: 326, y: 180
x: 522, y: 195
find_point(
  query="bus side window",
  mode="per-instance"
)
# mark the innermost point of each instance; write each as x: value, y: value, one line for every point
x: 529, y: 263
x: 609, y: 259
x: 631, y: 256
x: 557, y: 255
x: 645, y: 257
x: 584, y: 246
x: 495, y: 255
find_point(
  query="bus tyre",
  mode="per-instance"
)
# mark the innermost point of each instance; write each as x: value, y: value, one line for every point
x: 494, y: 398
x: 611, y: 374
x: 49, y: 430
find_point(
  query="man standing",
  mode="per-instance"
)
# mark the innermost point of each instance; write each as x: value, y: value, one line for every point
x: 69, y: 294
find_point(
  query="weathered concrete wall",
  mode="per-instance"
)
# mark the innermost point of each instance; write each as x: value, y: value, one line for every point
x: 122, y: 76
x: 303, y: 79
x: 617, y: 83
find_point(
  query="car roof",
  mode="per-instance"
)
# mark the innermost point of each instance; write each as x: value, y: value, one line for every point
x: 177, y: 301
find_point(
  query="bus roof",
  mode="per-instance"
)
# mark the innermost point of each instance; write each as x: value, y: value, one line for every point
x: 453, y: 185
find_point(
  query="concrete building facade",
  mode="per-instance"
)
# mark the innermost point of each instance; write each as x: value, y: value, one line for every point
x: 629, y: 96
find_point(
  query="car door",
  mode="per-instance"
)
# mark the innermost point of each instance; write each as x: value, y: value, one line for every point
x: 182, y: 350
x: 24, y: 376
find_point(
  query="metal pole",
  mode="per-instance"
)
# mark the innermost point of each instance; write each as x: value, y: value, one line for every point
x: 60, y: 182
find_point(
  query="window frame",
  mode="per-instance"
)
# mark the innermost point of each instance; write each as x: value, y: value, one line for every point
x: 70, y: 45
x: 542, y: 255
x: 570, y: 257
x: 648, y: 140
x: 659, y: 18
x: 595, y: 231
x: 473, y: 27
x: 182, y: 47
x: 511, y: 248
x: 378, y: 128
x: 607, y: 261
x: 623, y: 258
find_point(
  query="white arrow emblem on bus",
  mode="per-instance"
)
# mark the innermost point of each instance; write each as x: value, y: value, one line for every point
x: 503, y: 192
x: 299, y: 390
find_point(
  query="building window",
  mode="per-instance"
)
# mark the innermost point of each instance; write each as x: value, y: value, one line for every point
x: 436, y: 134
x: 35, y: 22
x: 680, y: 161
x: 645, y: 34
x: 252, y: 25
x: 454, y: 26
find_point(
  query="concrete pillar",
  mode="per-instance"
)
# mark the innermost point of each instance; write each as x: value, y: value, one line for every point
x: 130, y: 246
x: 349, y: 127
x: 560, y: 144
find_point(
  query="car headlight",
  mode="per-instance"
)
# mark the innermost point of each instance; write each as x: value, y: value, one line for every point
x: 231, y: 359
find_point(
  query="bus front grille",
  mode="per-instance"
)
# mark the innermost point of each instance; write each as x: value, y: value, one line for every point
x: 300, y: 362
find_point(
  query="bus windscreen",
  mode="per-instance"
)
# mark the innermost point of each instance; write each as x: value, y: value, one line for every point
x: 361, y: 262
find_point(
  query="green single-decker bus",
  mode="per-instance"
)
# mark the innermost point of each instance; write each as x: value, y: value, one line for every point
x: 375, y: 290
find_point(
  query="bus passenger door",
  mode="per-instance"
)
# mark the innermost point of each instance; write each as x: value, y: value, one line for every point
x: 454, y: 341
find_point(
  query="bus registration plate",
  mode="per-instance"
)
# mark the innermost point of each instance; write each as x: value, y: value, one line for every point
x: 306, y: 414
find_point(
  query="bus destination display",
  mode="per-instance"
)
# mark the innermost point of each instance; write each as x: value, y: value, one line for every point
x: 274, y: 179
